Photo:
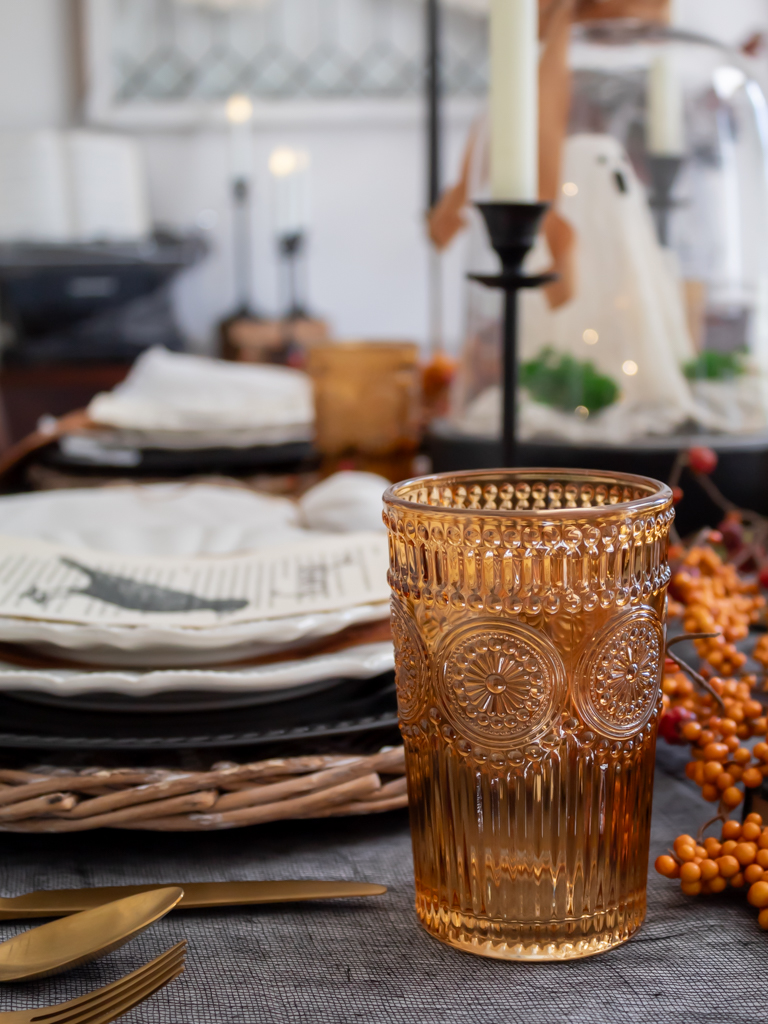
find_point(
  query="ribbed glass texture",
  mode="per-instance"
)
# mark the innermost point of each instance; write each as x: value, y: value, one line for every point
x: 528, y: 615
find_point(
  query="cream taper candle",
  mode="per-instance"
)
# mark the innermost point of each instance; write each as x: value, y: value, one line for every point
x: 664, y: 109
x: 514, y: 100
x: 239, y: 114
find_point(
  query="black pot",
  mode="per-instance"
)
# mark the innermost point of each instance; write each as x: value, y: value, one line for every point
x: 741, y: 474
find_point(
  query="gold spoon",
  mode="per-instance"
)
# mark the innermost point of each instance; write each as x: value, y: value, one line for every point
x: 71, y: 941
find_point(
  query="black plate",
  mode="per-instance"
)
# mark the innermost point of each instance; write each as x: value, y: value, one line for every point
x: 172, y: 702
x: 352, y: 707
x: 181, y: 462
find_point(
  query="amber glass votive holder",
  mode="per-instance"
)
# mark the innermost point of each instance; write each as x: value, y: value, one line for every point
x: 528, y: 612
x: 367, y: 396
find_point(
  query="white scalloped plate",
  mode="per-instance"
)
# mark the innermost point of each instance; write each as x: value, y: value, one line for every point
x: 165, y: 519
x: 245, y: 685
x: 166, y: 646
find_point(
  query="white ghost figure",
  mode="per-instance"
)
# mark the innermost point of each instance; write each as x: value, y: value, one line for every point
x: 627, y: 314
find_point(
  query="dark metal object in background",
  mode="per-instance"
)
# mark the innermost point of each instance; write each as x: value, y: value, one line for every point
x: 241, y: 201
x: 85, y: 302
x: 292, y: 249
x: 433, y: 90
x: 663, y: 171
x: 512, y: 228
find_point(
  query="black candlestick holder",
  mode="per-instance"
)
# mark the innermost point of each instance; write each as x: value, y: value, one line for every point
x: 291, y: 247
x: 241, y: 230
x: 512, y: 228
x: 663, y: 171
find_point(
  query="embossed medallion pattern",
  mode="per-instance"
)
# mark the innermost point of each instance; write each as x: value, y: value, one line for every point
x: 410, y: 664
x: 502, y: 683
x: 617, y: 683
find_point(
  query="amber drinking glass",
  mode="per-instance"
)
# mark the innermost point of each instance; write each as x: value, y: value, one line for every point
x: 528, y: 611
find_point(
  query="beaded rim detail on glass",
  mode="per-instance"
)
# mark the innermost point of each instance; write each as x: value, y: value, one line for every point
x: 572, y: 493
x: 411, y: 661
x: 616, y: 684
x: 502, y: 683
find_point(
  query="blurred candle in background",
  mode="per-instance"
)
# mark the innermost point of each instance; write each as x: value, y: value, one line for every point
x: 239, y: 116
x: 514, y: 100
x: 290, y: 173
x: 664, y: 109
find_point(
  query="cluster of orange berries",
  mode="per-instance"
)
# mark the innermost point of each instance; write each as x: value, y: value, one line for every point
x: 738, y: 858
x: 680, y: 694
x: 760, y: 651
x: 720, y: 760
x: 712, y: 597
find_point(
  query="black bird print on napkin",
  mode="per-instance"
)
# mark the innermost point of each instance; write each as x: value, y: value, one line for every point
x: 145, y: 597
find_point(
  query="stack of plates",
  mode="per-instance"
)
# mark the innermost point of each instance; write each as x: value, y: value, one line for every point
x: 317, y: 671
x: 181, y: 413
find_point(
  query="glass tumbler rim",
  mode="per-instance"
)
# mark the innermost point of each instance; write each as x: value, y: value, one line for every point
x: 658, y: 497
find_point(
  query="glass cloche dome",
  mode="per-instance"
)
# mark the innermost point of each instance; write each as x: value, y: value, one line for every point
x: 664, y: 183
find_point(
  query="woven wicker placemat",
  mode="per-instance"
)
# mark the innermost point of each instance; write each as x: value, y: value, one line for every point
x: 227, y: 796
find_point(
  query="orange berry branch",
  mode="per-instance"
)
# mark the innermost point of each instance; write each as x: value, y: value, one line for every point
x: 715, y: 592
x: 738, y: 859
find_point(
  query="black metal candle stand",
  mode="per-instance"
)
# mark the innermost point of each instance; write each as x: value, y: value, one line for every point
x: 512, y: 228
x: 663, y: 172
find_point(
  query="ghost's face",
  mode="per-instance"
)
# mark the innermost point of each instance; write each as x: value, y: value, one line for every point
x: 597, y: 170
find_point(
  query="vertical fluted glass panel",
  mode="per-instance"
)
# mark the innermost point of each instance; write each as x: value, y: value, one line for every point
x: 528, y: 617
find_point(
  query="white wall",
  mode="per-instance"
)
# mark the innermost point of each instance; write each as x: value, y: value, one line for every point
x: 730, y: 21
x: 37, y: 73
x: 367, y: 257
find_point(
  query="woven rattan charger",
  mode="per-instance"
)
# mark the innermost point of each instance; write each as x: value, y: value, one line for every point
x: 227, y: 796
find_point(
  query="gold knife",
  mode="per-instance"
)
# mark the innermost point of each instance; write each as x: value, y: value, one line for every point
x: 59, y: 902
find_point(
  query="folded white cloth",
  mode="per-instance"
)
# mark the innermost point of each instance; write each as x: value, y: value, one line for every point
x: 174, y: 520
x: 343, y: 503
x: 179, y: 394
x: 189, y: 519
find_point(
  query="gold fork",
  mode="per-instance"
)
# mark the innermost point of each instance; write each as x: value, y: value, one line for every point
x: 112, y: 1001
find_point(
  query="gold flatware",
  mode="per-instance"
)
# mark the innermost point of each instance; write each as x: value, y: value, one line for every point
x: 112, y: 1001
x: 62, y: 945
x: 59, y: 902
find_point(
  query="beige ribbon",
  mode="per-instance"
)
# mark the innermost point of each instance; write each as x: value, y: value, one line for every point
x: 446, y: 217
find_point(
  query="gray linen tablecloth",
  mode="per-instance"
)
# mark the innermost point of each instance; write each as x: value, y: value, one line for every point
x: 701, y: 960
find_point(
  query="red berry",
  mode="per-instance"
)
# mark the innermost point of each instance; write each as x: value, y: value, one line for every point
x: 732, y: 534
x: 677, y: 495
x: 671, y: 724
x: 702, y: 460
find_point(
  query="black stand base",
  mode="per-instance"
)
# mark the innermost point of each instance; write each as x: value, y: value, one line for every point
x: 663, y: 171
x: 742, y: 470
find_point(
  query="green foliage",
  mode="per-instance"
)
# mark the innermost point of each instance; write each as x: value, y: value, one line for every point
x: 566, y: 383
x: 711, y: 365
